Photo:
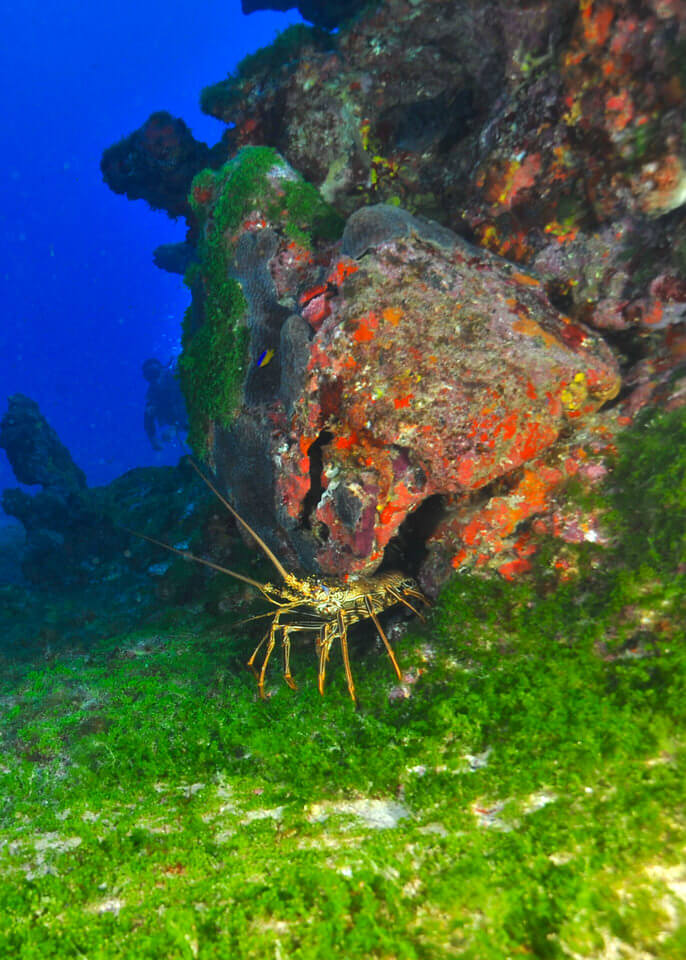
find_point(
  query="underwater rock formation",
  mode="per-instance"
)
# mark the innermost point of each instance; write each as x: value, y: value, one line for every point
x: 174, y: 257
x: 438, y: 369
x: 157, y: 163
x: 35, y: 452
x: 549, y: 134
x: 57, y: 517
x: 77, y: 535
x: 257, y: 221
x: 395, y: 105
x: 363, y: 377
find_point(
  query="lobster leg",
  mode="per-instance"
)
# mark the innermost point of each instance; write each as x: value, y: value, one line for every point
x: 343, y: 630
x: 251, y: 661
x: 325, y: 640
x: 401, y: 599
x: 287, y: 658
x: 287, y: 630
x: 270, y: 647
x: 389, y: 648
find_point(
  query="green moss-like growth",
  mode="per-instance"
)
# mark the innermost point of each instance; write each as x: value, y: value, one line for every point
x: 287, y: 48
x: 212, y: 366
x: 525, y: 800
x: 649, y: 492
x: 309, y: 217
x: 214, y: 360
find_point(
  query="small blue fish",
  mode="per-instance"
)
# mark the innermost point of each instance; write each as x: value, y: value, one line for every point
x: 265, y: 357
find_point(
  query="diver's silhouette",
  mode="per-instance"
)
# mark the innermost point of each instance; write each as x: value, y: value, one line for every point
x: 165, y: 415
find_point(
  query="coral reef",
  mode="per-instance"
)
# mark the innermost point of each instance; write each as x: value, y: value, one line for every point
x: 367, y: 375
x: 549, y: 134
x: 157, y: 163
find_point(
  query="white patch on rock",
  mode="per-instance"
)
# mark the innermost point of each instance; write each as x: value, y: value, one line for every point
x: 192, y: 789
x: 377, y: 814
x: 436, y: 828
x: 538, y: 800
x: 111, y: 905
x: 274, y: 813
x: 488, y: 814
x: 477, y: 761
x: 53, y: 841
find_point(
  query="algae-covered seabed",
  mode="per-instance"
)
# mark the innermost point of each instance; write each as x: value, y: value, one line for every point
x: 526, y: 799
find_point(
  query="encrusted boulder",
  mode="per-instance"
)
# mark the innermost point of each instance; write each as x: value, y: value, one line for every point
x: 402, y: 363
x: 438, y: 369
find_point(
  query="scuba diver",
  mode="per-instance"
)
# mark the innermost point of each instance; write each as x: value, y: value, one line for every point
x: 165, y: 417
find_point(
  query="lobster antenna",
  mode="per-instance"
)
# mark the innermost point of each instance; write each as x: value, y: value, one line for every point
x: 274, y: 559
x: 208, y: 563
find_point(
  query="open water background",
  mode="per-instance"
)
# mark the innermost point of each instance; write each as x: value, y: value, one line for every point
x: 82, y: 303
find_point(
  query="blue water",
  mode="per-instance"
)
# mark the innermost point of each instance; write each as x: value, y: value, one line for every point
x: 82, y: 303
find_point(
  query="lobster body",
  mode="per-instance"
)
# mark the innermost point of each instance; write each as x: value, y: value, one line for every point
x: 327, y: 608
x: 324, y: 607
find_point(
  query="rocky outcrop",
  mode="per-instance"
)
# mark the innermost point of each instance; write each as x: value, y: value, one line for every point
x: 546, y: 133
x: 78, y: 535
x: 398, y: 364
x: 35, y: 452
x: 60, y: 525
x: 439, y: 369
x: 157, y: 163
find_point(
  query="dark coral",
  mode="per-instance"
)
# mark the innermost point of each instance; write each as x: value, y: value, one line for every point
x: 174, y: 257
x: 157, y: 163
x: 35, y: 452
x: 265, y: 314
x: 371, y: 226
x: 74, y: 534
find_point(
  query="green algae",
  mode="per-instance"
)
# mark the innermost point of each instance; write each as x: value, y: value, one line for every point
x: 214, y: 361
x: 649, y: 491
x: 310, y: 218
x: 528, y: 794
